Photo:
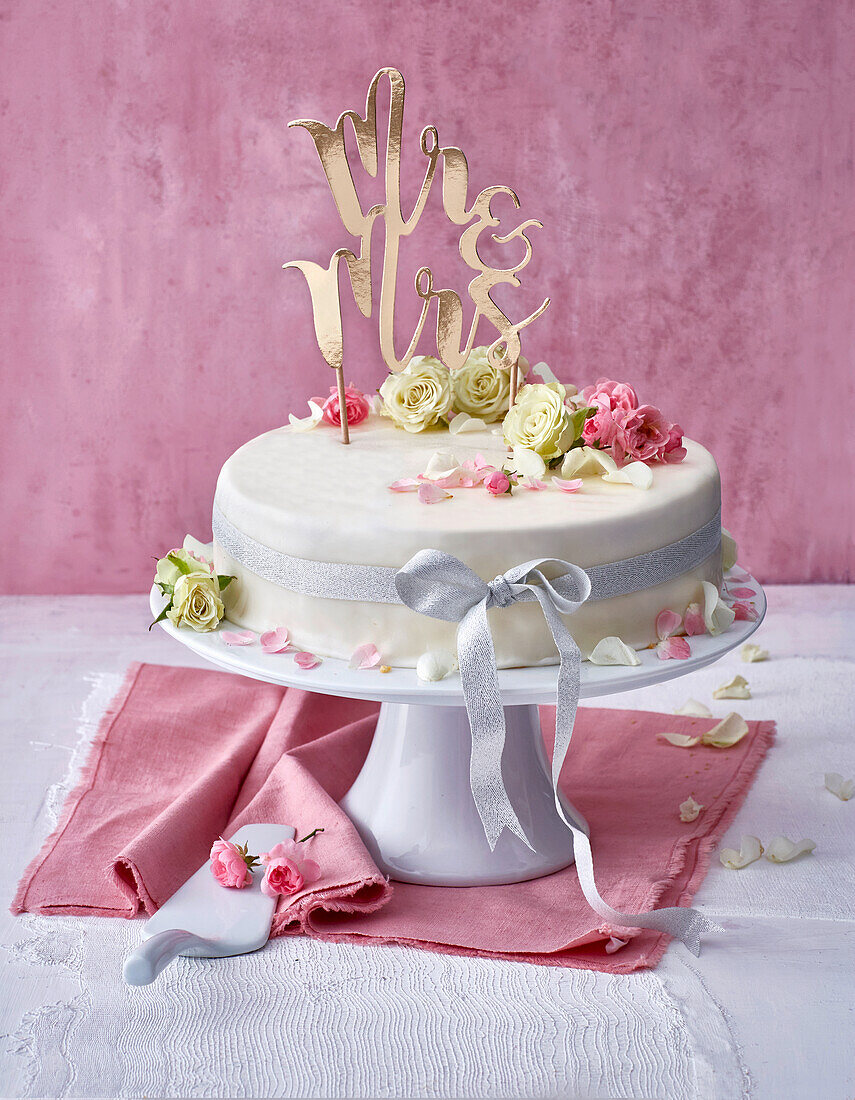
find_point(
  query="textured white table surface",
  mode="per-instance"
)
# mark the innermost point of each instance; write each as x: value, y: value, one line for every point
x: 767, y: 1011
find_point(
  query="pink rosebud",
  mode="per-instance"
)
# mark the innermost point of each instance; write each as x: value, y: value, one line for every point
x: 228, y: 865
x: 497, y: 483
x: 356, y: 405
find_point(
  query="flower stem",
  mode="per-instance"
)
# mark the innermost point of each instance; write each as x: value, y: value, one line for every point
x: 314, y: 832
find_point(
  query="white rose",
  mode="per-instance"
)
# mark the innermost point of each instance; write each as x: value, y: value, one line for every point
x: 419, y: 395
x: 480, y: 390
x: 540, y: 421
x: 192, y: 562
x: 196, y: 602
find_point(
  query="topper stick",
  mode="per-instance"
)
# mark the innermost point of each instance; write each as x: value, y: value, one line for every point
x: 515, y: 384
x: 342, y: 405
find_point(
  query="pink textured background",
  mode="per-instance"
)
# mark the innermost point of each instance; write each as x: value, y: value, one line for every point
x: 692, y: 163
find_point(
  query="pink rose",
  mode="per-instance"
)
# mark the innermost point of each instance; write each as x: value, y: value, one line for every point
x: 674, y: 451
x: 356, y: 404
x: 611, y: 395
x: 287, y: 870
x: 640, y: 435
x: 497, y: 483
x: 228, y: 865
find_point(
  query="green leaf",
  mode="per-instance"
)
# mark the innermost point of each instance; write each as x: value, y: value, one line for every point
x: 180, y: 565
x: 224, y: 581
x: 162, y: 615
x: 166, y: 589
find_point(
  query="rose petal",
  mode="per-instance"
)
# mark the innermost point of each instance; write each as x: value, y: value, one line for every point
x: 750, y: 850
x: 615, y: 944
x: 405, y: 485
x: 307, y: 423
x: 667, y: 623
x: 637, y: 474
x: 693, y: 709
x: 613, y: 651
x: 717, y: 615
x: 430, y: 493
x: 310, y: 871
x: 742, y: 593
x: 729, y: 550
x: 837, y: 785
x: 436, y: 664
x: 673, y: 649
x: 463, y: 423
x: 680, y: 740
x: 690, y: 809
x: 744, y: 612
x: 737, y: 688
x: 782, y: 850
x: 751, y: 653
x: 693, y: 621
x: 568, y: 486
x: 533, y: 484
x: 441, y: 464
x: 727, y: 732
x: 237, y: 637
x: 587, y: 462
x: 306, y: 660
x: 365, y: 656
x: 275, y: 641
x: 527, y: 463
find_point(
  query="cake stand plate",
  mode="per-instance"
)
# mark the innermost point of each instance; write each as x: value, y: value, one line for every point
x: 412, y: 803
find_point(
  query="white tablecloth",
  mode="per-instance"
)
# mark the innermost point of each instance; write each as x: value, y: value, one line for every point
x: 767, y: 1011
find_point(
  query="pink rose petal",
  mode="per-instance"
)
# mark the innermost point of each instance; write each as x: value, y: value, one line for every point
x: 405, y: 485
x: 310, y: 871
x: 693, y: 623
x: 275, y: 641
x: 237, y: 637
x: 743, y: 593
x: 667, y: 622
x: 745, y: 612
x: 306, y: 660
x: 533, y: 484
x: 365, y: 656
x: 673, y: 648
x: 568, y: 486
x: 430, y: 493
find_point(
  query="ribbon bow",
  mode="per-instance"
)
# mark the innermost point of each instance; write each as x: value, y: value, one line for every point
x: 443, y: 587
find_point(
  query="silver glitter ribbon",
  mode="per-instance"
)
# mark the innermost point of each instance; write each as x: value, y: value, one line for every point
x: 443, y: 587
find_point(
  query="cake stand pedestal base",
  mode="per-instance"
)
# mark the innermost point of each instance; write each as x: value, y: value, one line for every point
x: 412, y: 803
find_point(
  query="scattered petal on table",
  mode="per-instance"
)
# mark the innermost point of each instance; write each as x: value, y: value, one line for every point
x: 751, y: 653
x: 690, y: 809
x: 750, y: 850
x: 275, y: 641
x: 614, y: 651
x: 727, y: 732
x: 843, y: 788
x: 572, y: 486
x: 430, y: 493
x: 436, y: 664
x: 680, y: 740
x: 533, y: 483
x: 693, y: 709
x: 306, y: 660
x: 782, y: 850
x: 673, y: 649
x: 464, y: 423
x: 365, y: 656
x: 237, y: 637
x: 405, y: 485
x: 737, y: 688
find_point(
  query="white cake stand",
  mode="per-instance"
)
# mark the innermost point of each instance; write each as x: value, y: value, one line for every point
x: 412, y: 803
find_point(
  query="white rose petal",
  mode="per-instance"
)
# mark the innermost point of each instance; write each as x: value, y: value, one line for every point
x: 637, y: 474
x: 544, y: 371
x: 737, y: 688
x: 527, y: 463
x: 843, y: 788
x: 729, y: 550
x: 441, y: 464
x: 306, y: 423
x: 614, y: 651
x: 693, y: 709
x: 750, y: 850
x: 436, y: 664
x: 782, y: 850
x: 464, y: 423
x: 727, y: 732
x: 718, y: 617
x: 587, y: 462
x: 681, y: 740
x: 750, y: 653
x: 690, y: 809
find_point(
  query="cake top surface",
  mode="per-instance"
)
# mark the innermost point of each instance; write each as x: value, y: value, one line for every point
x: 306, y: 494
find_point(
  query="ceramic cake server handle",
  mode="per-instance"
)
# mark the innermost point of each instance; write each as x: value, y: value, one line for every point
x: 143, y: 965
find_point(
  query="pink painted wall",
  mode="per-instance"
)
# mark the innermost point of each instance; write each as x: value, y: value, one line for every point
x: 692, y: 162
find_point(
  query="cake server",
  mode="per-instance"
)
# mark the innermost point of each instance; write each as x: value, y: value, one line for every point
x: 206, y: 920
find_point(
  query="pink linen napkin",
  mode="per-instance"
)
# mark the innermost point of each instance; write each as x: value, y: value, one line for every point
x: 183, y: 756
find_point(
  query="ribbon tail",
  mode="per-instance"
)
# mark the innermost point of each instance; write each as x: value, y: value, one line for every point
x: 687, y: 925
x: 480, y: 681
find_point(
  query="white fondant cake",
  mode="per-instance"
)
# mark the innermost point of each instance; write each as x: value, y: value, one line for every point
x: 306, y: 495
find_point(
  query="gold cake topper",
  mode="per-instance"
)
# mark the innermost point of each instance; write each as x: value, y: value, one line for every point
x: 323, y: 283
